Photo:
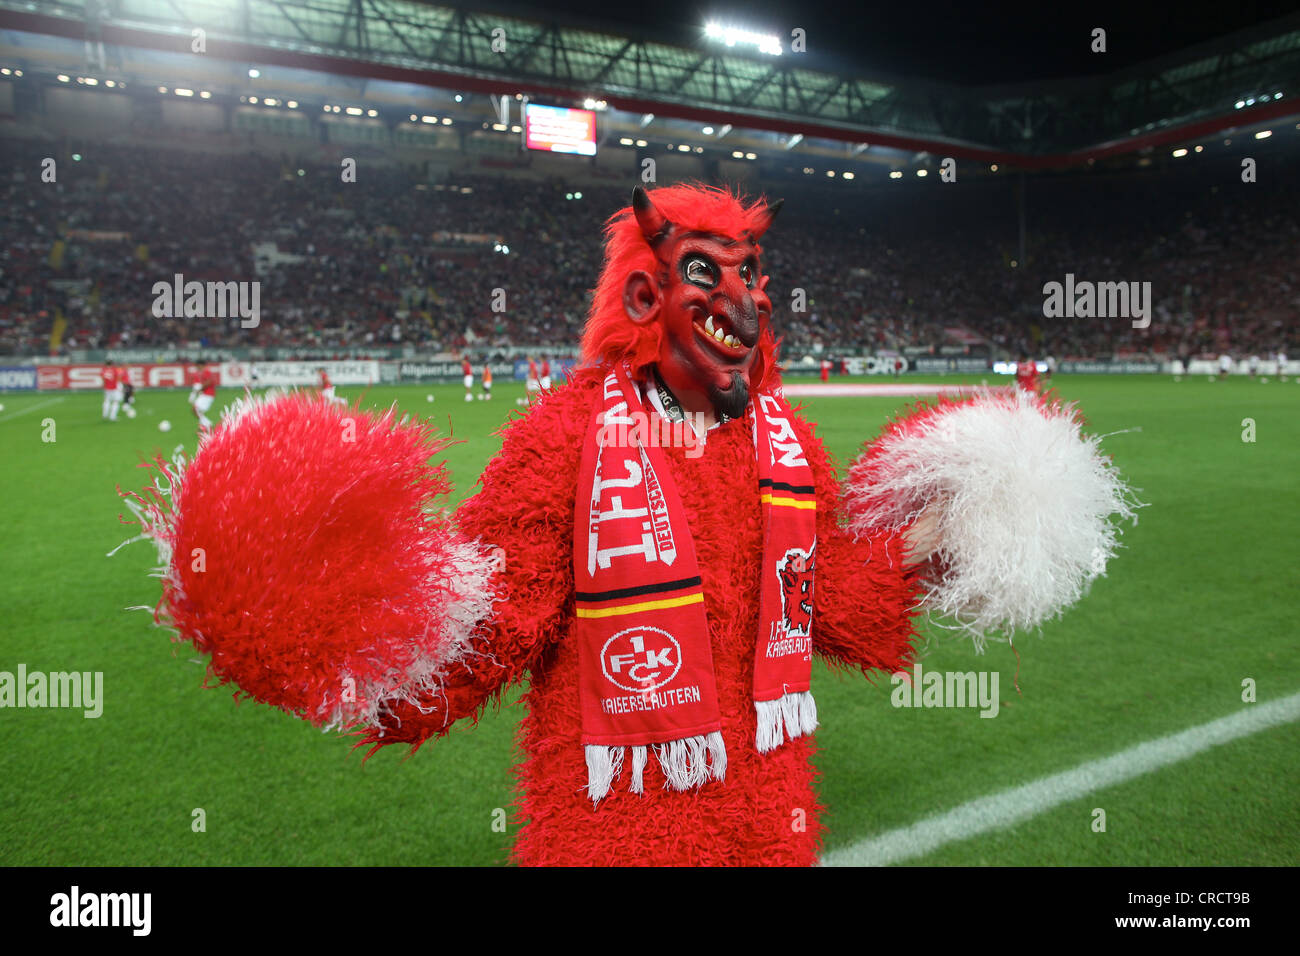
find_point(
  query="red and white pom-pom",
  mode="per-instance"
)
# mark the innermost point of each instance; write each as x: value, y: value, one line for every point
x: 1027, y: 505
x: 301, y: 550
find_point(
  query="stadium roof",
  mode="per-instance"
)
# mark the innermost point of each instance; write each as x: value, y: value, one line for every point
x: 1248, y: 77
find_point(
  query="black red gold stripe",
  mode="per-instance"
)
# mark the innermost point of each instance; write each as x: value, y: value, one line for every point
x: 634, y: 600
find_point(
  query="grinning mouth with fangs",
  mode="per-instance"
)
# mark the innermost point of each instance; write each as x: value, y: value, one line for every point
x: 717, y: 331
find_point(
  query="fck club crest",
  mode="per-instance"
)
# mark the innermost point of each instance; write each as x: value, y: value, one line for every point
x: 795, y: 572
x: 641, y: 659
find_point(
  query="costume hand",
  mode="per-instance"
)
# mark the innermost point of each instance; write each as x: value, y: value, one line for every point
x: 922, y: 536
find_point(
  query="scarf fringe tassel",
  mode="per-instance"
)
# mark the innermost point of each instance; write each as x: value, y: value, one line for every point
x: 686, y: 763
x: 794, y: 715
x: 693, y: 761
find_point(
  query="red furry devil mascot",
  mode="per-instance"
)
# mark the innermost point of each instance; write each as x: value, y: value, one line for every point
x: 660, y: 547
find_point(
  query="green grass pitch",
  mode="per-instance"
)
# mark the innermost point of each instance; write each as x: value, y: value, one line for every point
x: 1203, y: 597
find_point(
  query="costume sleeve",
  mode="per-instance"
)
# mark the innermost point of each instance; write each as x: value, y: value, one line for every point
x: 524, y: 512
x: 865, y: 598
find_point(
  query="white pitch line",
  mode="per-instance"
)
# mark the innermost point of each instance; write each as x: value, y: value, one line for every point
x: 1020, y: 803
x: 887, y: 389
x: 30, y: 408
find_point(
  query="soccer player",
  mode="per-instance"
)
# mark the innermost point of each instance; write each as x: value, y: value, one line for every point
x: 487, y: 382
x: 546, y: 372
x: 1027, y: 374
x: 1281, y: 364
x: 533, y: 382
x: 128, y: 393
x: 468, y: 371
x: 327, y: 389
x: 202, y: 395
x: 826, y: 370
x: 1254, y: 365
x: 1225, y: 365
x: 112, y: 393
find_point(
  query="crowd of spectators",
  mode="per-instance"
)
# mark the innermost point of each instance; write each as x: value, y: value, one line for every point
x: 485, y: 261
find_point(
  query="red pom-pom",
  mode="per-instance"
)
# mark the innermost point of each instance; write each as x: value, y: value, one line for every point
x: 301, y: 552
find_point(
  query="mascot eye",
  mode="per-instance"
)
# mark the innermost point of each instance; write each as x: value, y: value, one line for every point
x: 747, y: 273
x: 700, y: 271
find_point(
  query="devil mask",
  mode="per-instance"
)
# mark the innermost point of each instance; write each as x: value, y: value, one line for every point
x: 708, y: 296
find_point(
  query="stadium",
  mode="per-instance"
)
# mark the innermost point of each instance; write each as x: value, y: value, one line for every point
x: 400, y: 204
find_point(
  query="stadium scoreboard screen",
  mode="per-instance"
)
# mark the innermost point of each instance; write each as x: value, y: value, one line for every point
x: 559, y: 130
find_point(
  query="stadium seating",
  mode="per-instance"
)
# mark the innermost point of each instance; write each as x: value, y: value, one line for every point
x: 394, y: 259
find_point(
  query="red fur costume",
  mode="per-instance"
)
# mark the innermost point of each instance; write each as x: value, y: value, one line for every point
x: 334, y: 592
x: 526, y: 506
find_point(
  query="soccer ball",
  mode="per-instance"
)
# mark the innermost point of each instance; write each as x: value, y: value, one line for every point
x: 164, y: 426
x: 428, y: 398
x: 2, y: 406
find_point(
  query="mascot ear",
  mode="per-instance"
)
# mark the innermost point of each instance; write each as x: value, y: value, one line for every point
x: 655, y: 226
x: 642, y: 298
x: 766, y: 218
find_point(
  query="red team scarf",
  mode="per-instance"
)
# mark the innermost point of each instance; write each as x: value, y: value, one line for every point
x: 645, y: 663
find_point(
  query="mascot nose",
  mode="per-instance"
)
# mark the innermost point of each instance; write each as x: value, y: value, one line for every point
x: 744, y: 320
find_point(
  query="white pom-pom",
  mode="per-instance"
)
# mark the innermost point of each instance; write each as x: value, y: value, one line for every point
x: 1027, y: 506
